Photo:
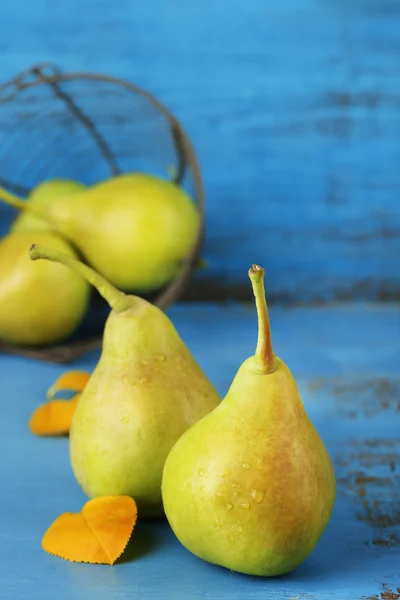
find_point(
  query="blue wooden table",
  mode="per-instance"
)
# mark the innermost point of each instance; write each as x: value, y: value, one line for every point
x: 346, y: 361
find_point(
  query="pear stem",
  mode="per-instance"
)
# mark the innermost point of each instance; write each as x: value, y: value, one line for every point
x: 16, y: 202
x: 264, y: 354
x: 115, y: 298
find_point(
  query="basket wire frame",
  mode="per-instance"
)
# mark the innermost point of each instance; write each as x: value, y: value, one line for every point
x: 91, y: 126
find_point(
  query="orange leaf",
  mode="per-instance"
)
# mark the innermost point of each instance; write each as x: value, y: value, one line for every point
x: 53, y: 418
x: 71, y: 380
x: 99, y: 534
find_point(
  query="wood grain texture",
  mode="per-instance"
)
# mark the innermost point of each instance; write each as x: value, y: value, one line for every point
x: 294, y: 110
x: 351, y: 393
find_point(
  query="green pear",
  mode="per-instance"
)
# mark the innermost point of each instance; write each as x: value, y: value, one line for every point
x: 42, y: 195
x: 145, y: 391
x: 39, y: 303
x: 251, y: 486
x: 134, y: 229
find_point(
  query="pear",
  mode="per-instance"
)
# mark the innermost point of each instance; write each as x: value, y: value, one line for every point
x: 134, y: 229
x: 144, y: 393
x: 42, y: 195
x: 251, y: 486
x: 39, y: 303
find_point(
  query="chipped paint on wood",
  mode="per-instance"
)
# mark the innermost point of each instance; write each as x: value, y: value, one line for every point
x: 369, y: 474
x: 368, y: 469
x: 360, y: 397
x: 387, y: 593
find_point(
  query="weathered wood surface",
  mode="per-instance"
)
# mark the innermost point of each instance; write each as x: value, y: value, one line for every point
x: 293, y: 107
x: 346, y: 362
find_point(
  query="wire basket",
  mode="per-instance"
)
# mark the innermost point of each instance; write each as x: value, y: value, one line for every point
x: 87, y: 127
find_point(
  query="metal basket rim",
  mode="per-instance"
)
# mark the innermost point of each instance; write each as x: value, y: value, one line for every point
x: 66, y: 352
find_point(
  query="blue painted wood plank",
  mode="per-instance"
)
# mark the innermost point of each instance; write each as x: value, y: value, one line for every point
x: 346, y: 361
x: 293, y: 107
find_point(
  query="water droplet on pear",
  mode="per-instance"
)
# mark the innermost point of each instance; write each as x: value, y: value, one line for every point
x: 257, y: 495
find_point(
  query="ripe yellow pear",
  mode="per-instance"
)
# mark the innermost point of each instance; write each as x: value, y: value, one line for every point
x: 134, y: 229
x: 145, y: 391
x: 251, y: 486
x: 42, y: 195
x: 39, y: 303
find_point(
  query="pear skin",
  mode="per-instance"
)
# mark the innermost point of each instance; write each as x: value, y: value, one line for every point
x: 39, y: 303
x: 144, y: 393
x: 251, y: 486
x: 42, y: 195
x: 134, y: 229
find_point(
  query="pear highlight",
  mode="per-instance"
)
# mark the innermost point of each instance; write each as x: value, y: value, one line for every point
x: 144, y: 393
x: 251, y: 486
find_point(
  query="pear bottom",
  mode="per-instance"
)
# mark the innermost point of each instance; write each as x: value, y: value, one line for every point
x: 225, y: 549
x: 232, y: 530
x: 148, y: 506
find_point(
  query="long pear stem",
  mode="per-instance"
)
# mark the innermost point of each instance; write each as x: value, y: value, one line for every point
x: 16, y: 202
x: 264, y: 354
x: 19, y: 204
x: 116, y: 299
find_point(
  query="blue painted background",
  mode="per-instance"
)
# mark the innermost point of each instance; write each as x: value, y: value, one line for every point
x: 294, y: 108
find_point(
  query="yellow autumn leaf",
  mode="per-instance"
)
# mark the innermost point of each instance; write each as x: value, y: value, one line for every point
x: 98, y: 534
x: 74, y: 381
x: 53, y: 418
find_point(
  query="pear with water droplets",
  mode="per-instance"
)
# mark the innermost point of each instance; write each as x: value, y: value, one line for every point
x: 251, y: 486
x: 144, y: 393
